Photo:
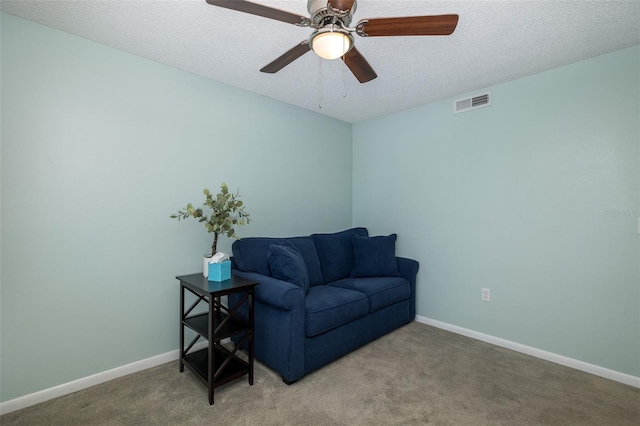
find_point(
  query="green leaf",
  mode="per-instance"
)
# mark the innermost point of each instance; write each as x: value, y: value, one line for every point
x: 225, y: 212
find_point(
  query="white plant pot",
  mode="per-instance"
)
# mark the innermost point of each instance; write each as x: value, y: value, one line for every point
x: 205, y: 266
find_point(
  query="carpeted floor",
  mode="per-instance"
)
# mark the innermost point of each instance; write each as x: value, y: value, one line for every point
x: 416, y: 375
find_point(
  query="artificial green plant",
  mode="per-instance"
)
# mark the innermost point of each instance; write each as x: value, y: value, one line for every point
x: 227, y: 212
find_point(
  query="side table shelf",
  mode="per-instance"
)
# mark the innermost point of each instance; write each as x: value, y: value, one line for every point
x: 200, y: 324
x: 216, y: 365
x: 197, y: 362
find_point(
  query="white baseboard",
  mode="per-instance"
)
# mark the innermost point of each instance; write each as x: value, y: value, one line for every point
x: 95, y: 379
x: 617, y: 376
x: 85, y: 382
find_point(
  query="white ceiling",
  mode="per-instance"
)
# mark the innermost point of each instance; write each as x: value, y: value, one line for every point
x: 495, y: 41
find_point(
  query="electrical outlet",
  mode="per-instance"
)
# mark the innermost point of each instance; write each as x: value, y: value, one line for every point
x: 486, y: 295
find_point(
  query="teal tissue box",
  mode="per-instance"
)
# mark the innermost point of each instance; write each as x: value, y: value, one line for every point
x: 220, y: 271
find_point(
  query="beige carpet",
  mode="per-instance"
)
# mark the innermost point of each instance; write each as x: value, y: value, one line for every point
x: 416, y: 375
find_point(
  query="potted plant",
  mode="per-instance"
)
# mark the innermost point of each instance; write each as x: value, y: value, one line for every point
x: 226, y: 212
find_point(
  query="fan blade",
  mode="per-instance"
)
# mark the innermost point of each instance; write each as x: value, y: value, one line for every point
x: 259, y: 10
x: 342, y: 4
x: 290, y: 56
x: 408, y: 26
x: 359, y: 66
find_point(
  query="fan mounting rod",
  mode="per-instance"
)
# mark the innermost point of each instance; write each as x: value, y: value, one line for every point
x: 325, y: 12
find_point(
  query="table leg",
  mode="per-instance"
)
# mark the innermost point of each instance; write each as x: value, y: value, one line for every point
x: 181, y: 326
x: 251, y: 326
x: 211, y: 373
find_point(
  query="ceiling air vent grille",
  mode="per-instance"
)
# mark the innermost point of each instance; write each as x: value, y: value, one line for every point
x: 479, y: 101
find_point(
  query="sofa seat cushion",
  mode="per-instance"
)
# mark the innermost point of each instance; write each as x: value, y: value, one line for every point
x: 381, y: 291
x: 328, y: 307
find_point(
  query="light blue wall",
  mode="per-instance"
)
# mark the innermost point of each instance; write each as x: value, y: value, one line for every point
x: 535, y: 198
x: 99, y: 147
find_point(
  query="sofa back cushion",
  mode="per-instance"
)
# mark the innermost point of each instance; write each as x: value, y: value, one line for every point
x: 335, y: 253
x: 251, y: 255
x: 286, y: 264
x: 308, y: 251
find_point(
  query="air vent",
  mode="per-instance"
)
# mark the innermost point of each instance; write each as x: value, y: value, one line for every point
x: 467, y: 104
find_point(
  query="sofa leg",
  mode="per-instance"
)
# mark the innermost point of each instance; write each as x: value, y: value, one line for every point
x: 288, y: 382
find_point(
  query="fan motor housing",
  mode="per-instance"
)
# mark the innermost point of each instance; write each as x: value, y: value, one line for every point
x: 322, y: 14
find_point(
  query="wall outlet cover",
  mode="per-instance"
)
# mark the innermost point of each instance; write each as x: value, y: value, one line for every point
x: 486, y: 295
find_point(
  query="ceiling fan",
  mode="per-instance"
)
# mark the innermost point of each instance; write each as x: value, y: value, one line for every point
x: 333, y: 38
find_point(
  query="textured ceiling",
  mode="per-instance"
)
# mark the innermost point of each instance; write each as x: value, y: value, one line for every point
x: 495, y: 41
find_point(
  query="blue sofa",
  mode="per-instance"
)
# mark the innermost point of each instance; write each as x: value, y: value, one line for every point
x: 323, y: 296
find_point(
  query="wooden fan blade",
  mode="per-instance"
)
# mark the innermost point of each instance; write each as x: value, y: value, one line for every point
x: 342, y: 4
x: 259, y: 10
x: 289, y: 56
x: 359, y: 66
x: 408, y: 26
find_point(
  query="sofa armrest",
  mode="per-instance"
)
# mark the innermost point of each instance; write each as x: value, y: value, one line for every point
x: 279, y: 324
x: 409, y: 270
x: 274, y: 292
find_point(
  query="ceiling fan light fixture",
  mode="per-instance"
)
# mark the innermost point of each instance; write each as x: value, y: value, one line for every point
x: 329, y: 43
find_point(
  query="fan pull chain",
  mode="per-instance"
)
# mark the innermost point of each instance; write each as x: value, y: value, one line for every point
x: 320, y: 84
x: 344, y: 70
x: 344, y: 85
x: 344, y: 91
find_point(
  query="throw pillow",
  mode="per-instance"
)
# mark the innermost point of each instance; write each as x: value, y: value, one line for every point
x: 374, y: 256
x: 309, y: 254
x: 286, y: 264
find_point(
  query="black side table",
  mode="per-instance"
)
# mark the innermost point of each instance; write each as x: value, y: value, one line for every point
x: 216, y: 365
